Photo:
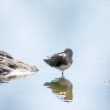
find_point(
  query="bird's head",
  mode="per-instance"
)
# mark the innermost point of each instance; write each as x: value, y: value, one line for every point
x: 69, y: 52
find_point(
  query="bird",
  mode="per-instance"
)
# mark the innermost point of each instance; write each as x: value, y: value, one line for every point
x: 11, y: 68
x: 61, y: 61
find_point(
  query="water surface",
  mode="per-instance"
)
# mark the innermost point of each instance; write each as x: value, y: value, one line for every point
x: 32, y: 30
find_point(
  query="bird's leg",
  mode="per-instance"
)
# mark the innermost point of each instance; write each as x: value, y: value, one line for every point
x: 62, y: 73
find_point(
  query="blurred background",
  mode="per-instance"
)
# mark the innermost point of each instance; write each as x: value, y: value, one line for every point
x: 30, y: 30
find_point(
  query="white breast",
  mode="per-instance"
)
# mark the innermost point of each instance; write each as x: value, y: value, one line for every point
x: 64, y: 67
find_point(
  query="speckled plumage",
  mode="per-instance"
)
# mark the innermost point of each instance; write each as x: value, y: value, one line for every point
x: 61, y: 61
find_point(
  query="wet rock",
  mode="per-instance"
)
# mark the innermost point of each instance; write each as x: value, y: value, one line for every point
x: 9, y: 64
x: 5, y: 54
x: 4, y: 69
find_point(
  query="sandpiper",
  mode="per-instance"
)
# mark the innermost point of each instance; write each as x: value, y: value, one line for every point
x: 11, y: 68
x: 61, y: 61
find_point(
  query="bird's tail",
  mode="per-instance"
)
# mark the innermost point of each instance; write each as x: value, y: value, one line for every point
x: 48, y: 61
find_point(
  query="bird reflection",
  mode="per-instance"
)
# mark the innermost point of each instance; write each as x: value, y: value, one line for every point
x: 62, y: 88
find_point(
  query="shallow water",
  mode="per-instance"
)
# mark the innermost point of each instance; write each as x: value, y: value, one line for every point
x: 32, y: 30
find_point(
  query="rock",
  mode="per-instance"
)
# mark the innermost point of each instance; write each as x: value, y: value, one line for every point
x: 8, y: 64
x: 5, y: 54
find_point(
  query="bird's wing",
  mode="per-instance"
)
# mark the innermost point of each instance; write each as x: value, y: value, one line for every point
x: 58, y: 59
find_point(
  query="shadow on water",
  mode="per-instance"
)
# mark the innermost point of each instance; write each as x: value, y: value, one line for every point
x: 14, y: 76
x: 62, y: 88
x: 2, y: 82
